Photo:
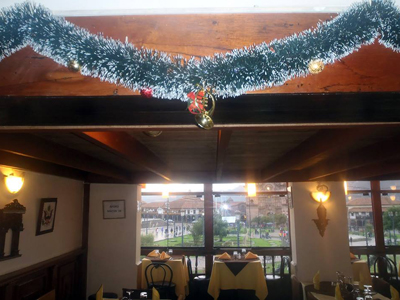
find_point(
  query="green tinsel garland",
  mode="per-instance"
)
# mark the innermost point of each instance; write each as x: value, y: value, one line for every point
x: 230, y: 74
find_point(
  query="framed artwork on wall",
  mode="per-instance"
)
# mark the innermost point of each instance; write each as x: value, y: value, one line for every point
x: 113, y: 209
x: 47, y: 215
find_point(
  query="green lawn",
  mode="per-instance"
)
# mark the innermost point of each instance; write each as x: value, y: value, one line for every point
x: 228, y: 241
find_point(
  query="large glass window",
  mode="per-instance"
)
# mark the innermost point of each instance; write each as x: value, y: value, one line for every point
x: 391, y: 211
x: 175, y: 219
x: 243, y: 221
x: 360, y: 219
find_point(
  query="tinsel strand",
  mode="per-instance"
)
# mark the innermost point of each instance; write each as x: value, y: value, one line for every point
x: 230, y: 74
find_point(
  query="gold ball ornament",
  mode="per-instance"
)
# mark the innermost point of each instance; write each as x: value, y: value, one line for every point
x: 74, y: 66
x: 316, y: 66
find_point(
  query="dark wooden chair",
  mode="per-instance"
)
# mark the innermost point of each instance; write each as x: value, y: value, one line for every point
x: 165, y: 286
x: 198, y: 285
x: 297, y: 288
x: 386, y: 269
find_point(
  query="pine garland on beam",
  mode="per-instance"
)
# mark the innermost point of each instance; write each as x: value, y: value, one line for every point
x: 229, y: 75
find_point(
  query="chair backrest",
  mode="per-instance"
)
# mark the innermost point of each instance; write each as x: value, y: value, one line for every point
x: 189, y: 266
x: 385, y: 267
x: 49, y: 296
x: 164, y: 269
x: 136, y: 293
x: 297, y: 289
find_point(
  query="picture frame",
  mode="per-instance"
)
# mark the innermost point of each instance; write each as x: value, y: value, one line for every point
x: 47, y: 216
x: 114, y: 209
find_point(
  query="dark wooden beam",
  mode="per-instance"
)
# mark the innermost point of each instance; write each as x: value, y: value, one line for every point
x: 126, y: 146
x: 30, y: 164
x: 224, y: 136
x: 316, y: 148
x: 374, y: 170
x: 269, y: 111
x: 35, y: 147
x: 377, y: 213
x: 374, y: 153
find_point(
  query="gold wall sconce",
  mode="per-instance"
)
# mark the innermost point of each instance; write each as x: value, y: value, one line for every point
x: 251, y: 190
x: 14, y: 183
x: 321, y: 195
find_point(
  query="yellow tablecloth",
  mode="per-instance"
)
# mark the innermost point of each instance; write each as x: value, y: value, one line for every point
x: 180, y: 277
x: 251, y: 277
x: 325, y: 297
x: 361, y: 266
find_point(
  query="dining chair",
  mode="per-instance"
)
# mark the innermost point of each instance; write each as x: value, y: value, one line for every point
x: 165, y: 286
x: 49, y: 296
x: 385, y: 268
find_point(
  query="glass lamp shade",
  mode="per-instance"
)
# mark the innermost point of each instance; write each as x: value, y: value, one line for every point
x: 14, y: 183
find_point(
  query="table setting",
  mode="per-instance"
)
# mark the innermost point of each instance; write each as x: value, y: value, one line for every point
x: 175, y: 262
x: 344, y: 288
x: 237, y: 271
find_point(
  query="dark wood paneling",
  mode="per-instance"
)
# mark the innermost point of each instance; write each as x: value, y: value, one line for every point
x: 67, y: 284
x: 60, y: 273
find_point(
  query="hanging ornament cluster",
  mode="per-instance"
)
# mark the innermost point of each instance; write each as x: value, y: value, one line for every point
x: 198, y: 104
x: 234, y: 73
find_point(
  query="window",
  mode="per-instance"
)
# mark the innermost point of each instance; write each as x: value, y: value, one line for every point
x: 174, y: 221
x: 390, y: 200
x: 242, y: 221
x: 360, y: 218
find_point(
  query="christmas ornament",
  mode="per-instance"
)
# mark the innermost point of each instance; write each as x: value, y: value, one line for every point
x: 203, y: 116
x: 230, y: 74
x: 197, y: 102
x: 315, y: 66
x: 148, y: 93
x: 74, y: 66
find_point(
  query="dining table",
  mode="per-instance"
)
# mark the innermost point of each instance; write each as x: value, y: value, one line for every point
x: 361, y: 267
x: 179, y: 269
x: 327, y: 292
x: 237, y: 274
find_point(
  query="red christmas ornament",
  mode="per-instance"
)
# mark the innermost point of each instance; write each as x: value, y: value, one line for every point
x: 148, y: 93
x: 195, y: 104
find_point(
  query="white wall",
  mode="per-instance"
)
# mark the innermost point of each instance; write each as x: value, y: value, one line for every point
x: 114, y: 246
x: 311, y: 252
x: 67, y: 234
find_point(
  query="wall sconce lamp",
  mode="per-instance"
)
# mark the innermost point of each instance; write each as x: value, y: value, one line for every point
x: 14, y: 183
x: 251, y: 190
x: 165, y: 192
x: 321, y: 195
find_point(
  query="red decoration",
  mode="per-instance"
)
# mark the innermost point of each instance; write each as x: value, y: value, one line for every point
x: 148, y: 93
x: 196, y: 106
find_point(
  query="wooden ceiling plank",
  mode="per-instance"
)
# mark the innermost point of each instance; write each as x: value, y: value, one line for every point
x: 35, y: 147
x: 223, y: 139
x: 361, y: 157
x: 314, y: 149
x: 126, y: 146
x: 374, y: 170
x: 30, y: 164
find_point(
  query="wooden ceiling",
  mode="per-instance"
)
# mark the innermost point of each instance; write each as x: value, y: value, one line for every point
x: 340, y: 124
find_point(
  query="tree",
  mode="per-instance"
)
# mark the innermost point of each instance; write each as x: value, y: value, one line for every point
x: 388, y: 221
x: 280, y: 220
x: 220, y: 227
x: 197, y: 231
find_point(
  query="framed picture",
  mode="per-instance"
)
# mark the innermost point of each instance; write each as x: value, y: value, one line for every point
x: 113, y: 209
x: 47, y: 215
